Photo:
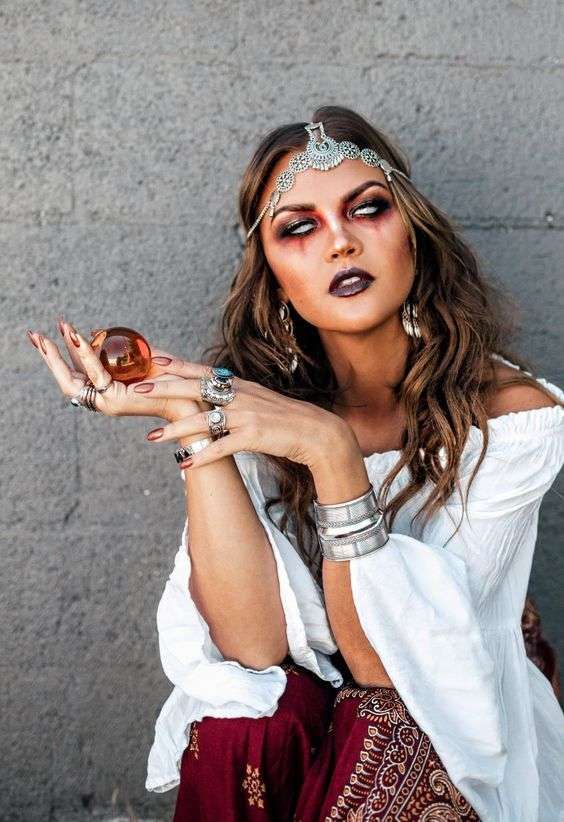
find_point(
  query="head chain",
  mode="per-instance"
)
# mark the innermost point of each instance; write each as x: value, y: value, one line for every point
x: 322, y: 155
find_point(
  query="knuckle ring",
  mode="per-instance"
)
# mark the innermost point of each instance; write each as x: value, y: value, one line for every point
x: 105, y: 387
x: 86, y: 397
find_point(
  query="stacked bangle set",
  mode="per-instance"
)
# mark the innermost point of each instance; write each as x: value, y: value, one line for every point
x: 350, y: 529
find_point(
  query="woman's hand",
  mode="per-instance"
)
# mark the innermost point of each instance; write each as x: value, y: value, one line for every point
x: 119, y: 399
x: 258, y: 419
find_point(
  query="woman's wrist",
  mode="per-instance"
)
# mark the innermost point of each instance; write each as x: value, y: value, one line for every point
x: 338, y: 470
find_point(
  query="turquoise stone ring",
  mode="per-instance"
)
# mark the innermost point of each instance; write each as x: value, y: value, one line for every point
x: 223, y: 374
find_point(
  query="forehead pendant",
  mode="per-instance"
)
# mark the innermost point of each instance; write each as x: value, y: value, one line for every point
x: 322, y: 154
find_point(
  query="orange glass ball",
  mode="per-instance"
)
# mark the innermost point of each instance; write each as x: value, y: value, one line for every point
x: 123, y: 352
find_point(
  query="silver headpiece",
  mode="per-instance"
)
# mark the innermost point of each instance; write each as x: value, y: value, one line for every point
x: 322, y: 155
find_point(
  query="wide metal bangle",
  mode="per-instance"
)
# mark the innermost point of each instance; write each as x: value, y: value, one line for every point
x: 351, y: 512
x: 340, y: 549
x: 347, y: 530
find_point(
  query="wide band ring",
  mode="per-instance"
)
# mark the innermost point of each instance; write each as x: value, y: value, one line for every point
x: 192, y: 448
x: 217, y: 423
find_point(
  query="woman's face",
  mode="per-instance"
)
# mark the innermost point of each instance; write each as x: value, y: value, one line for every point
x: 330, y: 231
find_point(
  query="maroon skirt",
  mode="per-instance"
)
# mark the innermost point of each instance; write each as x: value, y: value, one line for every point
x: 353, y: 754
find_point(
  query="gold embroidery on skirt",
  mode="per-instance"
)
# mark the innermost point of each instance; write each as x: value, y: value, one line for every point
x: 194, y: 742
x: 254, y: 787
x: 398, y: 775
x: 290, y: 668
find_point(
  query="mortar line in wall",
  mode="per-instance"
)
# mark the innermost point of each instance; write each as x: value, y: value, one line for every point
x: 439, y: 60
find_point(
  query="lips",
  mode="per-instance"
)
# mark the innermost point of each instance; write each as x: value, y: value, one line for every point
x: 345, y: 273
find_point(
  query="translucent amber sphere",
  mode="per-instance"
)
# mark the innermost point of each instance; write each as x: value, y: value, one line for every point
x: 123, y: 352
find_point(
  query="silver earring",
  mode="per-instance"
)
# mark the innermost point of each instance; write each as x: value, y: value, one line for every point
x: 284, y: 314
x: 409, y: 319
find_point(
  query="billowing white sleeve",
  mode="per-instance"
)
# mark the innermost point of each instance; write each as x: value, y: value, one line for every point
x: 414, y: 604
x: 524, y: 456
x: 206, y: 684
x: 419, y: 601
x: 191, y: 660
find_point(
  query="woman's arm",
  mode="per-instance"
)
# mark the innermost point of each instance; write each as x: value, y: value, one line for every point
x: 406, y: 611
x: 234, y: 581
x: 340, y: 477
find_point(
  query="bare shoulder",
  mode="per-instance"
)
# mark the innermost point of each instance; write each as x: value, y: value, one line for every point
x: 515, y: 397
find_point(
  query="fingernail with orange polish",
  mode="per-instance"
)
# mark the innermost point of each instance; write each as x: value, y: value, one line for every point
x: 32, y: 341
x: 144, y: 387
x: 155, y: 434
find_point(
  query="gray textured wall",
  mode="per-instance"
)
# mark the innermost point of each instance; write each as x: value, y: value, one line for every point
x: 124, y: 127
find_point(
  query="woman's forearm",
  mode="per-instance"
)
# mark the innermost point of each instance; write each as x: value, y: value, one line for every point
x: 341, y: 476
x: 234, y: 581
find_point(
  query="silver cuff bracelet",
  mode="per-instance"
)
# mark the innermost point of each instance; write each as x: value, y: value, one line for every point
x: 357, y: 545
x: 346, y: 513
x: 350, y: 529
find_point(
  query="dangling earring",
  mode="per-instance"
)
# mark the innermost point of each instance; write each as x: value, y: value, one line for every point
x: 284, y: 314
x: 409, y: 319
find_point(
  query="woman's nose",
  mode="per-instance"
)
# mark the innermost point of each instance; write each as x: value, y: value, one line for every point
x: 343, y: 244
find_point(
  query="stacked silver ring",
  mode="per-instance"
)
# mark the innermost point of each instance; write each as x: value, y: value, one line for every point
x: 86, y: 397
x: 216, y: 422
x: 350, y: 529
x: 216, y: 388
x: 212, y: 390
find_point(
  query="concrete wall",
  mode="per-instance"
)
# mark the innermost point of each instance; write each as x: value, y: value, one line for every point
x: 123, y: 130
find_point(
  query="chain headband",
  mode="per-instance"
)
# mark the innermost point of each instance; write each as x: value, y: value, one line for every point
x: 322, y: 155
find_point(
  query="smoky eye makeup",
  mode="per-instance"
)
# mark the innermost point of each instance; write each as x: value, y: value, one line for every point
x: 371, y: 208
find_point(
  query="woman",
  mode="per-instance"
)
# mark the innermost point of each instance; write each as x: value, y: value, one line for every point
x: 405, y: 452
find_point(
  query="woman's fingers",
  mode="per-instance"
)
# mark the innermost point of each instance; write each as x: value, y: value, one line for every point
x: 63, y: 331
x: 163, y: 360
x: 232, y: 442
x: 69, y: 380
x: 193, y: 424
x: 90, y: 362
x: 186, y: 388
x: 120, y: 399
x: 222, y: 447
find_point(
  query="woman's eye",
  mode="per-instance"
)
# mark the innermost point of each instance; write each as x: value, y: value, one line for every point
x: 292, y: 229
x: 377, y: 205
x: 370, y: 208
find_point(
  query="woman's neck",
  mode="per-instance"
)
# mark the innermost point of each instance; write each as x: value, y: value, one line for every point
x: 368, y: 367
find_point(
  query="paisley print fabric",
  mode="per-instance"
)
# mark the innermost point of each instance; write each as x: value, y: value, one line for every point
x: 377, y: 765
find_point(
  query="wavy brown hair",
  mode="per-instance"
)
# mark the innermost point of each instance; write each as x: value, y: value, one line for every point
x: 449, y: 376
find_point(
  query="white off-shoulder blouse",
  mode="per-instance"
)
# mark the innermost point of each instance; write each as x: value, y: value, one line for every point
x: 444, y: 617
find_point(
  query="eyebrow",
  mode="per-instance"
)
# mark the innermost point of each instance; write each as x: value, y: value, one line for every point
x: 346, y: 199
